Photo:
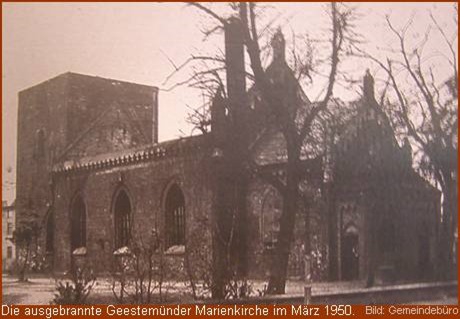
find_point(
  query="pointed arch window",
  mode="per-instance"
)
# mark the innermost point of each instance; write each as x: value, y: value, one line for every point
x: 122, y: 213
x: 50, y: 233
x: 40, y: 146
x: 272, y: 206
x: 78, y: 223
x: 175, y: 217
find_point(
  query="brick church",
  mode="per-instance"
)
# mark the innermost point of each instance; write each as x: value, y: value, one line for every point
x: 92, y: 169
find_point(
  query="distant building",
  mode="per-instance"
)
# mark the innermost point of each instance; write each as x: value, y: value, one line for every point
x: 8, y: 226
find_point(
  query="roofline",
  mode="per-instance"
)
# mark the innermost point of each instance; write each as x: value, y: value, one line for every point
x: 70, y: 74
x: 147, y: 153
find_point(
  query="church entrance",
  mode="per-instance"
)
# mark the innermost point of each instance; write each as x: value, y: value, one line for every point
x: 350, y: 256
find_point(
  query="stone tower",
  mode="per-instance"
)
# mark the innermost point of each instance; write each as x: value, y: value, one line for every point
x: 72, y: 116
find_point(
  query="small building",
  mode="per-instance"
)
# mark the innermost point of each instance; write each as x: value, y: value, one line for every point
x: 384, y: 217
x: 8, y: 227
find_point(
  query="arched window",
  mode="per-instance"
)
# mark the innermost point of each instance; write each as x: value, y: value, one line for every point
x: 50, y: 233
x: 40, y: 143
x: 272, y: 206
x: 122, y: 212
x: 78, y: 223
x: 350, y: 253
x: 175, y: 217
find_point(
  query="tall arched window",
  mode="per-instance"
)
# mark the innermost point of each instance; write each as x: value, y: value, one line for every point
x: 78, y: 223
x: 272, y: 206
x: 350, y: 253
x: 122, y: 212
x: 175, y: 217
x: 40, y: 140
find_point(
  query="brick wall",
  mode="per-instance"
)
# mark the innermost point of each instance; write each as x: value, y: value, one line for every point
x: 75, y: 115
x: 146, y: 184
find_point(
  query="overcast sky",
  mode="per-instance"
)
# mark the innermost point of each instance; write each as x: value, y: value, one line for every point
x: 133, y: 41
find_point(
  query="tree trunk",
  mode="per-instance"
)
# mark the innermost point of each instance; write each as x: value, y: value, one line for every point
x: 279, y: 266
x: 220, y: 232
x: 448, y: 227
x: 332, y: 234
x: 371, y: 254
x: 230, y: 225
x: 242, y: 238
x: 307, y: 239
x: 22, y: 272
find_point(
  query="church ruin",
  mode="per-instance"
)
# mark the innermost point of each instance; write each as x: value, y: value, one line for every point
x: 90, y: 165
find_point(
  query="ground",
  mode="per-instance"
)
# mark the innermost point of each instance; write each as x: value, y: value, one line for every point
x: 40, y: 291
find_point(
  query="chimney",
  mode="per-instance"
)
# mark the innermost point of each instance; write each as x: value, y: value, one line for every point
x: 407, y: 151
x: 155, y: 116
x: 236, y: 74
x: 218, y: 118
x: 279, y: 46
x: 368, y: 86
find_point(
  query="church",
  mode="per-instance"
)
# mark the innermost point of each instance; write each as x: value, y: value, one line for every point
x: 90, y: 168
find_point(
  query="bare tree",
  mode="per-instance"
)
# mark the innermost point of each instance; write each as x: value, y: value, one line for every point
x: 25, y: 238
x: 424, y: 106
x: 294, y: 114
x: 295, y: 120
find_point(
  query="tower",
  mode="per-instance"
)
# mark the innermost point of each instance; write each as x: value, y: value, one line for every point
x: 70, y: 117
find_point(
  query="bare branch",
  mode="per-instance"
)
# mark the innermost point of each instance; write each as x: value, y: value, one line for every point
x: 384, y: 92
x: 450, y: 44
x: 336, y: 43
x: 210, y: 32
x: 418, y: 78
x: 169, y: 59
x: 208, y: 11
x: 194, y: 77
x: 186, y: 62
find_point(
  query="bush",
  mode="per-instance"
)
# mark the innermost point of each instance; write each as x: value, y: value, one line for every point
x: 76, y: 290
x: 139, y: 271
x: 25, y: 238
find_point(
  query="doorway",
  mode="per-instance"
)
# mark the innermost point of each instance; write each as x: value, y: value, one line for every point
x: 350, y: 256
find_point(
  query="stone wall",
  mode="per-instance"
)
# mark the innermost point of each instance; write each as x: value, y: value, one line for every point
x: 146, y: 184
x: 379, y: 198
x: 71, y: 116
x: 261, y: 249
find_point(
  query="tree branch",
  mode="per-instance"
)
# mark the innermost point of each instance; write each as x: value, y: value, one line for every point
x: 208, y: 11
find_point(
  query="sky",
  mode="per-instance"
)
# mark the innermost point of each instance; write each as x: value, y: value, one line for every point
x: 141, y: 43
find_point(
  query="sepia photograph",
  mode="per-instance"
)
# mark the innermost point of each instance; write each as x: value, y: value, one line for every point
x: 229, y: 153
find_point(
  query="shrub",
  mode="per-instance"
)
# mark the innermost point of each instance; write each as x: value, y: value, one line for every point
x: 76, y: 290
x: 25, y: 238
x: 139, y: 270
